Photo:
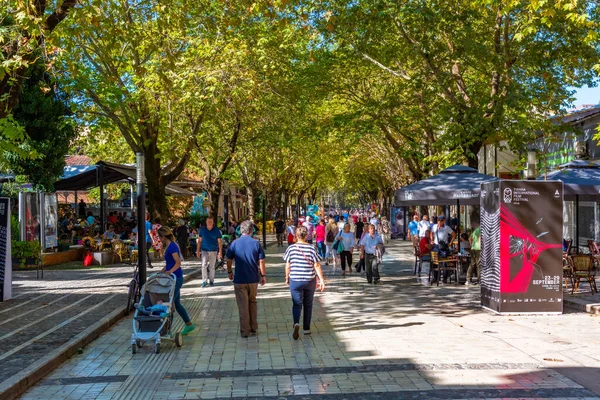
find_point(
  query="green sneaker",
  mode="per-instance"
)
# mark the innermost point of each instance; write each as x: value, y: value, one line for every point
x: 187, y: 329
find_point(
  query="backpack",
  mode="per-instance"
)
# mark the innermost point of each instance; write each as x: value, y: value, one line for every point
x: 330, y: 237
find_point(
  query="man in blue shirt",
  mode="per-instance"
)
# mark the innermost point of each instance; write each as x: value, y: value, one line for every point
x: 413, y: 230
x: 210, y: 245
x: 368, y: 251
x: 250, y: 269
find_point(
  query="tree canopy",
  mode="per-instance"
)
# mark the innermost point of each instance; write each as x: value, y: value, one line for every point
x: 294, y: 97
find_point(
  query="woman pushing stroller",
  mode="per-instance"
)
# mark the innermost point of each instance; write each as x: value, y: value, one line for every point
x: 173, y: 267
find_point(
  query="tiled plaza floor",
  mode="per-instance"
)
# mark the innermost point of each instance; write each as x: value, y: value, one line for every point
x: 401, y: 339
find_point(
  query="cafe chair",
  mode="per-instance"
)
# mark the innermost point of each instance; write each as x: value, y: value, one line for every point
x: 105, y: 245
x: 417, y: 260
x: 441, y: 266
x: 583, y: 269
x: 89, y: 243
x: 119, y: 251
x: 134, y: 256
x: 568, y: 271
x: 569, y: 243
x: 593, y: 247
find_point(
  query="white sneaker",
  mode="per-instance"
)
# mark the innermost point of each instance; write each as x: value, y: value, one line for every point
x: 467, y: 283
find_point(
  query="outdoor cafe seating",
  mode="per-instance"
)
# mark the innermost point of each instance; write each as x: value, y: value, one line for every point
x: 441, y: 265
x: 582, y: 269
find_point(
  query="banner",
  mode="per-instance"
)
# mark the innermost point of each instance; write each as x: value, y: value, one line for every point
x: 397, y: 221
x: 312, y: 211
x: 521, y: 253
x: 31, y: 214
x: 5, y: 256
x: 50, y: 220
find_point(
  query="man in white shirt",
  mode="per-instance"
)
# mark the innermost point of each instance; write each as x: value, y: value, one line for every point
x: 441, y: 233
x: 424, y: 226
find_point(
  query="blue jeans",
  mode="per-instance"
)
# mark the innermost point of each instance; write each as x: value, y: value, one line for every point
x: 303, y: 293
x: 177, y: 300
x: 321, y: 248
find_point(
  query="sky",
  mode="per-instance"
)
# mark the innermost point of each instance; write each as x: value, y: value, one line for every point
x: 586, y: 95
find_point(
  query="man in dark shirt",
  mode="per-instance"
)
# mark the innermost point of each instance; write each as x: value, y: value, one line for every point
x: 250, y: 269
x: 82, y: 206
x: 279, y: 230
x: 359, y: 229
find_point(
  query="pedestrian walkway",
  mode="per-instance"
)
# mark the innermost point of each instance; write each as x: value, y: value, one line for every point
x: 401, y: 339
x: 45, y: 314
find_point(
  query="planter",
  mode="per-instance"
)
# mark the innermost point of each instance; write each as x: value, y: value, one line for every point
x: 24, y: 262
x: 63, y: 246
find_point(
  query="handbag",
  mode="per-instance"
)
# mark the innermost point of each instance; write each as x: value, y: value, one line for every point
x: 360, y: 265
x: 88, y: 259
x: 338, y: 245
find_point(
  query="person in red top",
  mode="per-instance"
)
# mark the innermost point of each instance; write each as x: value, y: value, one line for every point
x: 320, y: 237
x: 112, y: 218
x: 425, y: 246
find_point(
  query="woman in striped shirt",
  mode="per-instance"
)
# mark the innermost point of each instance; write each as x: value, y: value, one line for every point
x: 302, y: 266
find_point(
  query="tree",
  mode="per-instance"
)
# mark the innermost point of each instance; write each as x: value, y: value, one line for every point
x: 139, y: 69
x: 25, y: 29
x: 498, y: 69
x: 44, y: 113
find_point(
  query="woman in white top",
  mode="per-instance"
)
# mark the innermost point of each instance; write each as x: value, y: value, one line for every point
x: 348, y: 240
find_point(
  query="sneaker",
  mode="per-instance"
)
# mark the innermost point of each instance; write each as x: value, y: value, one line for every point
x: 204, y: 284
x: 296, y: 333
x: 187, y: 329
x: 212, y: 283
x: 307, y: 332
x: 467, y: 283
x: 253, y: 333
x: 150, y: 266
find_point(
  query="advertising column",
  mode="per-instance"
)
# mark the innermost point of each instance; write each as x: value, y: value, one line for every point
x: 50, y: 219
x: 5, y: 257
x: 522, y: 246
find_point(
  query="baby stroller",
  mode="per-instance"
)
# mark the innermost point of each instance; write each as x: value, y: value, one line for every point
x: 155, y: 327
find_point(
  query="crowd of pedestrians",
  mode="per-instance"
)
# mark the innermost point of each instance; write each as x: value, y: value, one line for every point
x: 333, y: 240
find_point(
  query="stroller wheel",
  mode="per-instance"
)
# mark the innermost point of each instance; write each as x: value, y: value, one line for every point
x: 178, y: 339
x: 156, y: 348
x: 139, y: 344
x: 133, y: 349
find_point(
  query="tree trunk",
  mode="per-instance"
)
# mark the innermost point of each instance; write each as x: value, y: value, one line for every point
x: 157, y: 199
x: 250, y: 196
x: 471, y: 155
x: 232, y: 215
x: 215, y: 194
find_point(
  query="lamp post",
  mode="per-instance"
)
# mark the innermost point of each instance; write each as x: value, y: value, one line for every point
x: 141, y: 216
x: 264, y: 218
x: 226, y: 205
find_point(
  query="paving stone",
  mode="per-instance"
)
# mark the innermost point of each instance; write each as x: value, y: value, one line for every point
x: 402, y: 339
